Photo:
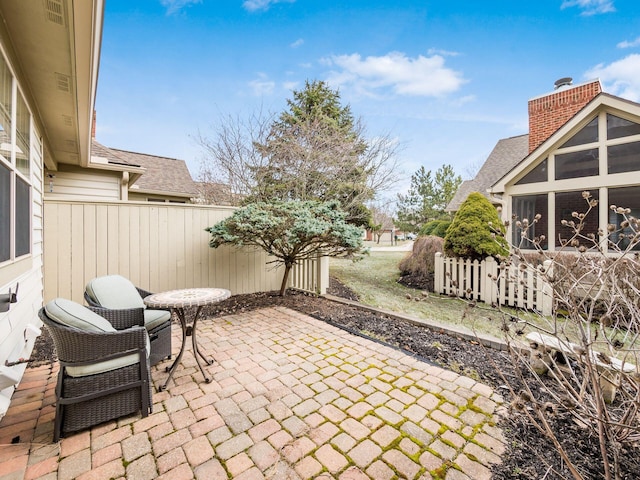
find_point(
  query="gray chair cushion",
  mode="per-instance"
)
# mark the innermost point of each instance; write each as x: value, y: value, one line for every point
x: 115, y: 292
x: 72, y: 314
x: 154, y: 318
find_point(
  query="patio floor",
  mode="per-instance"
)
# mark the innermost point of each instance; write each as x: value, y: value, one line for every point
x: 292, y: 398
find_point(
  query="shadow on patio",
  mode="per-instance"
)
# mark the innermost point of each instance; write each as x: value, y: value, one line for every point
x: 291, y: 397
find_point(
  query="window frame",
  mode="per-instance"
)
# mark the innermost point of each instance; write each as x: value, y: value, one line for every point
x: 20, y: 216
x: 599, y: 185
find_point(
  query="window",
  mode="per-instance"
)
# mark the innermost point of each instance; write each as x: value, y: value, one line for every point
x: 589, y: 134
x: 527, y: 207
x: 626, y: 197
x: 538, y: 174
x: 23, y: 128
x: 15, y: 169
x: 619, y: 127
x: 623, y: 158
x: 566, y: 204
x: 577, y: 164
x: 5, y: 213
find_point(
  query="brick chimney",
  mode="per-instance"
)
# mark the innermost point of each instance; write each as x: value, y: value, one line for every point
x: 549, y: 112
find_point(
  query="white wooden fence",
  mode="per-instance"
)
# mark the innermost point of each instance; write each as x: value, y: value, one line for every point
x: 311, y: 275
x: 490, y: 282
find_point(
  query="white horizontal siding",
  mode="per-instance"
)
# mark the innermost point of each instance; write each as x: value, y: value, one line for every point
x: 73, y: 183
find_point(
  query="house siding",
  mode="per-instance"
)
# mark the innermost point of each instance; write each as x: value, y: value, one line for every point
x: 14, y: 323
x: 75, y: 183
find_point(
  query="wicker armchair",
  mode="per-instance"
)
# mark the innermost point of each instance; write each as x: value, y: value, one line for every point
x: 115, y: 292
x: 104, y: 371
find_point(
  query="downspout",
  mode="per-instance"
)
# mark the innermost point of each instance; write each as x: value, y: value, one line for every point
x: 124, y: 187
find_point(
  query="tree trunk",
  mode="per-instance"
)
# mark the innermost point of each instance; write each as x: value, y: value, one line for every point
x: 285, y: 278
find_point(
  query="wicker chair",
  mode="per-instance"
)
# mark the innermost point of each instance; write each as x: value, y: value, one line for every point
x: 104, y: 365
x: 115, y: 292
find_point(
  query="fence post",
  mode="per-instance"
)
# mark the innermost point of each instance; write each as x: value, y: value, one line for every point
x: 438, y: 276
x: 323, y: 274
x: 547, y: 290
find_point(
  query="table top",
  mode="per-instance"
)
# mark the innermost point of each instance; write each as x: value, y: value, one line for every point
x: 186, y: 297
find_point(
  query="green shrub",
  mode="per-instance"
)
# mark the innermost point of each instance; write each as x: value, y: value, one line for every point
x: 435, y: 227
x: 421, y: 262
x: 476, y: 231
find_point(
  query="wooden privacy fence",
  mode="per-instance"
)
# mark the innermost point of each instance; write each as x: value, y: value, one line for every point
x: 158, y: 246
x: 489, y: 282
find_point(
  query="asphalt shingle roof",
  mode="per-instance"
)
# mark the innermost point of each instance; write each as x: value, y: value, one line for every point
x: 507, y: 153
x: 167, y: 175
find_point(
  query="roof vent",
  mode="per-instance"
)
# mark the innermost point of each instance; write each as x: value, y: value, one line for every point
x: 563, y: 82
x: 63, y: 82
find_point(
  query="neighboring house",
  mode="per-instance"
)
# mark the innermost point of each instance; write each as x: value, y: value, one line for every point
x: 580, y: 139
x: 49, y: 55
x: 114, y: 174
x: 164, y: 179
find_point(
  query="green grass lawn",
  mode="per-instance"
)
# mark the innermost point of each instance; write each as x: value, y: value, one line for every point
x: 374, y: 279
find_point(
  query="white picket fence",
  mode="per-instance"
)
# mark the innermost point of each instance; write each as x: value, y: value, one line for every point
x: 311, y: 275
x: 492, y: 283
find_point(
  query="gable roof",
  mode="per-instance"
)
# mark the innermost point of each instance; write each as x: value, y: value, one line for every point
x: 162, y: 175
x: 507, y: 153
x: 599, y: 102
x: 101, y: 153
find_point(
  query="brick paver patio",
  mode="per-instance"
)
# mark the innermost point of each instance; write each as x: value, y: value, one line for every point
x: 292, y: 398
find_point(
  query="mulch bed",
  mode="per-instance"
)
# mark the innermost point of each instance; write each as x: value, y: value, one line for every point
x: 530, y: 454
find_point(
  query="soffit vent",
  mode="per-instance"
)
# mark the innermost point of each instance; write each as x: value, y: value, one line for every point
x: 71, y: 145
x: 54, y: 10
x: 63, y: 82
x: 67, y: 120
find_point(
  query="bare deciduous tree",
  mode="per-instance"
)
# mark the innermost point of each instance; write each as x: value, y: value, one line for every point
x: 589, y: 348
x: 316, y: 150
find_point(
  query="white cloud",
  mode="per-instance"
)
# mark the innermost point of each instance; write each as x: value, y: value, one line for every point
x: 174, y: 6
x: 444, y: 53
x: 420, y: 76
x: 262, y: 85
x: 297, y: 43
x: 621, y: 78
x: 631, y: 44
x: 590, y: 7
x: 262, y: 5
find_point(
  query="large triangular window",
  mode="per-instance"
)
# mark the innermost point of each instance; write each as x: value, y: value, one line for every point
x: 619, y: 127
x: 538, y: 174
x: 588, y: 134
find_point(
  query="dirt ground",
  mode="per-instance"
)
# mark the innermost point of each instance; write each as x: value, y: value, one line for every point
x: 530, y: 456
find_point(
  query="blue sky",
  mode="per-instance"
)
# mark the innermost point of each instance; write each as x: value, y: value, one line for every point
x: 447, y: 79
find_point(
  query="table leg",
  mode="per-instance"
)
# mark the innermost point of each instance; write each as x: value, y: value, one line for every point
x: 196, y: 348
x: 174, y: 365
